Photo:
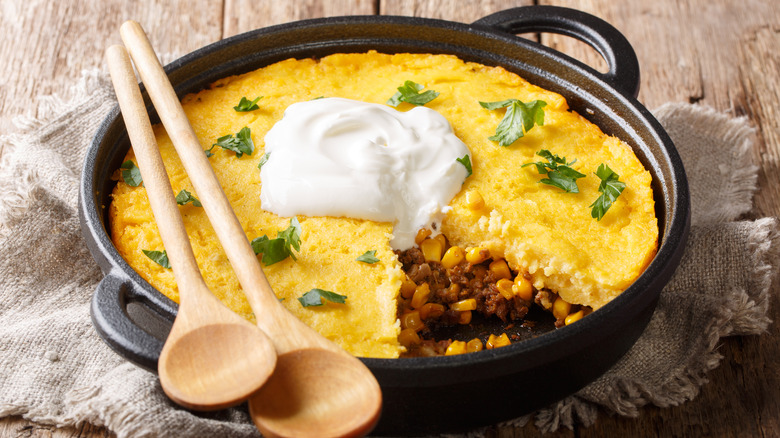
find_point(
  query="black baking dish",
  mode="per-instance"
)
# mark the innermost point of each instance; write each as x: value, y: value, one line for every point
x: 429, y: 395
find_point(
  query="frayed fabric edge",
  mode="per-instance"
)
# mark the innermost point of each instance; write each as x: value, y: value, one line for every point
x: 51, y: 107
x: 741, y: 173
x: 121, y: 421
x: 21, y: 184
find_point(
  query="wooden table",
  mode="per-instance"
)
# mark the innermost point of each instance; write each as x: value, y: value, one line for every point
x: 721, y: 53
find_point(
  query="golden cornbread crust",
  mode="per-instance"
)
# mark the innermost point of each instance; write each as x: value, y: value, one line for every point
x: 539, y: 229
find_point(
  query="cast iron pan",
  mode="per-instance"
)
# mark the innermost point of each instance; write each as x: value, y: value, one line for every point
x: 429, y: 395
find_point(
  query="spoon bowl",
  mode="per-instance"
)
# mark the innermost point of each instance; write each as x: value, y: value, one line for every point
x: 307, y: 387
x: 191, y: 378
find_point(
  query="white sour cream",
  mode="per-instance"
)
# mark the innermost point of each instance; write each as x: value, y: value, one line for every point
x: 344, y: 158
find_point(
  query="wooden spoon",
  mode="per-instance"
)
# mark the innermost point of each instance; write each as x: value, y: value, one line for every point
x: 212, y: 358
x: 317, y: 389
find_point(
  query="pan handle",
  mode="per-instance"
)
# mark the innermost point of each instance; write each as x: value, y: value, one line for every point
x: 112, y: 320
x: 623, y: 71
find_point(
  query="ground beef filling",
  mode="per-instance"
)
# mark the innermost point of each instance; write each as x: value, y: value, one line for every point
x: 474, y: 281
x: 444, y: 286
x: 449, y: 290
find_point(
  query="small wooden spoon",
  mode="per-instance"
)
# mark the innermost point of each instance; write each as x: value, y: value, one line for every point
x: 212, y: 358
x: 317, y: 389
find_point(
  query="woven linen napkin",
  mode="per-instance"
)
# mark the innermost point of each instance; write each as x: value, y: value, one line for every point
x: 54, y: 368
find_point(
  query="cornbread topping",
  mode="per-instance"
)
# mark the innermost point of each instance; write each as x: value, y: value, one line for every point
x: 340, y: 157
x: 509, y: 244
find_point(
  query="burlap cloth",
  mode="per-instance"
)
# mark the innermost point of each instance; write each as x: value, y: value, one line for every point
x: 54, y: 368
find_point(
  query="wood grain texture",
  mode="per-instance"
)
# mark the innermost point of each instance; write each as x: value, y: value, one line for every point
x: 46, y: 44
x: 245, y: 15
x: 721, y: 53
x: 453, y: 10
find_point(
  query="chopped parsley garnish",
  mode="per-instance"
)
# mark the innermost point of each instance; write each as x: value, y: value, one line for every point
x: 131, y: 173
x: 409, y: 92
x: 240, y: 144
x: 276, y: 250
x: 558, y: 171
x: 246, y: 105
x: 368, y: 257
x: 292, y: 235
x: 263, y: 160
x: 314, y: 298
x: 519, y: 118
x: 159, y: 257
x: 466, y: 162
x: 610, y: 189
x: 184, y: 197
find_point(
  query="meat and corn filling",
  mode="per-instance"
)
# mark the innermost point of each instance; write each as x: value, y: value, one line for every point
x: 445, y: 284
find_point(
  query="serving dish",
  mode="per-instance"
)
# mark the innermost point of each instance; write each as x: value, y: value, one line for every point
x: 427, y: 395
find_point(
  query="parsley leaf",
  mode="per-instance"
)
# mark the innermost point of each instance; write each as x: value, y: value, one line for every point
x: 272, y: 250
x: 368, y: 257
x: 610, y: 189
x: 410, y: 92
x: 159, y: 257
x: 131, y: 173
x: 466, y: 162
x: 240, y: 144
x: 559, y: 173
x: 184, y: 197
x: 314, y: 298
x: 276, y: 250
x: 519, y: 118
x: 246, y: 105
x: 263, y: 160
x: 292, y: 235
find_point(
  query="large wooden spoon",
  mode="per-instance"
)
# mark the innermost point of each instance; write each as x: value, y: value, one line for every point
x: 317, y: 389
x: 212, y: 358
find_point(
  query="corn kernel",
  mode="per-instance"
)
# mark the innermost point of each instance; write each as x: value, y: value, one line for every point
x: 561, y: 308
x: 574, y: 317
x: 474, y: 345
x: 422, y: 234
x: 467, y: 304
x: 408, y: 337
x: 456, y: 347
x: 477, y: 255
x: 523, y: 288
x: 474, y: 200
x: 443, y: 240
x: 412, y: 320
x: 407, y: 288
x: 421, y: 294
x: 500, y: 269
x: 431, y: 249
x: 464, y: 317
x: 431, y: 310
x: 497, y: 341
x: 504, y: 287
x: 453, y: 257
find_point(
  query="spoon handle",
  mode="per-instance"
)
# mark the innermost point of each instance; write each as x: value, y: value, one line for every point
x: 158, y: 187
x: 193, y: 157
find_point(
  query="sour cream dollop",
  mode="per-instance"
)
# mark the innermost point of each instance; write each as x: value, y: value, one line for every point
x: 345, y: 158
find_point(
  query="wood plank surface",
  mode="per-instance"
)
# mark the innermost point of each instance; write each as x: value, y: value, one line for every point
x: 720, y: 53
